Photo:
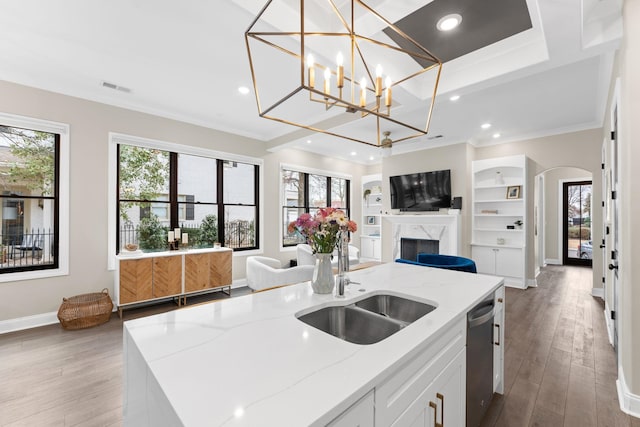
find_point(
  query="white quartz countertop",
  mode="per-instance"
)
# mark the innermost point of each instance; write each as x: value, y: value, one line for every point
x: 248, y: 361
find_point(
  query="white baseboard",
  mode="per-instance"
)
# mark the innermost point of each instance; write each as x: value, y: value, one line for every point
x: 598, y: 292
x: 532, y: 283
x: 536, y: 273
x: 629, y: 402
x: 550, y: 261
x: 28, y: 322
x: 609, y: 322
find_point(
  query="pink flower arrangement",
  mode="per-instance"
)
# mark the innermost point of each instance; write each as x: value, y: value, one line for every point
x: 321, y: 230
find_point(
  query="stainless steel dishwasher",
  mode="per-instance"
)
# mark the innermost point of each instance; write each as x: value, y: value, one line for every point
x: 479, y: 360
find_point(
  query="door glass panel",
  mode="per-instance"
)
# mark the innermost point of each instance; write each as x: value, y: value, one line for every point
x: 578, y: 209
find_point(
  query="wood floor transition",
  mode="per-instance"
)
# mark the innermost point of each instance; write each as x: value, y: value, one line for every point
x: 559, y: 367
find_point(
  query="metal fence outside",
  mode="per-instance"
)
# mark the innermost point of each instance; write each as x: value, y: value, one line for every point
x: 238, y: 234
x: 27, y: 248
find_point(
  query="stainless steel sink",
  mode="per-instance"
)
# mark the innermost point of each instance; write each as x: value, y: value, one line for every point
x: 352, y: 324
x: 368, y: 321
x: 395, y: 307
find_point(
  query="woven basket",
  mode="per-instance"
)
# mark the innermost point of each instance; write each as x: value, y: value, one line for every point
x: 86, y: 310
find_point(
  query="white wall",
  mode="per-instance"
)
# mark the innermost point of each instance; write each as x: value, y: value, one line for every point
x: 90, y: 124
x: 629, y: 268
x: 553, y: 208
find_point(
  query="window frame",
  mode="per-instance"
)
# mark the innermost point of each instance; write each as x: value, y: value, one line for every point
x: 173, y: 148
x: 61, y: 198
x: 309, y: 171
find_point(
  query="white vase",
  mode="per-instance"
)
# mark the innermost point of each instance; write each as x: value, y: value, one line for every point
x: 499, y: 179
x: 322, y: 281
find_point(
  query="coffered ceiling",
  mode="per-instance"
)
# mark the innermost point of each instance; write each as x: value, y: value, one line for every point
x: 528, y: 67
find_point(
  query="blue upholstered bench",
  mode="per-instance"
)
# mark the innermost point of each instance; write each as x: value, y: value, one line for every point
x: 448, y: 262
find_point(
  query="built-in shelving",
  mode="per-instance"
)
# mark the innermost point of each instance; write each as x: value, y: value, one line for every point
x: 499, y: 218
x: 371, y: 224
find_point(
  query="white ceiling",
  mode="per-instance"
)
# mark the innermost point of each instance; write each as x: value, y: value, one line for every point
x: 185, y: 60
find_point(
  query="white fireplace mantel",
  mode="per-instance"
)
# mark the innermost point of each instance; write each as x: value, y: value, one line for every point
x: 444, y: 228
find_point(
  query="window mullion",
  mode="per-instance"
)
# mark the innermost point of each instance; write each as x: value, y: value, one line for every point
x: 173, y: 191
x: 220, y: 199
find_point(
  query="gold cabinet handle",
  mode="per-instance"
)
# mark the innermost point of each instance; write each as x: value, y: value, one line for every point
x: 435, y: 411
x: 497, y: 326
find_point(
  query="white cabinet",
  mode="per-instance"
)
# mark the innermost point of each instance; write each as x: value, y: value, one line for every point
x: 440, y: 369
x: 360, y: 414
x: 429, y: 409
x: 499, y: 219
x: 370, y: 225
x: 498, y: 342
x: 370, y: 248
x: 500, y: 261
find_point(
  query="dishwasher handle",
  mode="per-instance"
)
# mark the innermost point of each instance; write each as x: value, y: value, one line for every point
x: 481, y: 315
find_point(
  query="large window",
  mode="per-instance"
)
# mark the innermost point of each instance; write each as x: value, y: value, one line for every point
x: 307, y: 192
x: 29, y: 175
x: 211, y: 200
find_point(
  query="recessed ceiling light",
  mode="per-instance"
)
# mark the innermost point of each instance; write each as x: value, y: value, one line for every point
x: 449, y: 22
x: 485, y: 125
x: 308, y: 141
x: 243, y: 90
x: 454, y: 98
x: 353, y: 153
x: 371, y: 157
x: 496, y: 135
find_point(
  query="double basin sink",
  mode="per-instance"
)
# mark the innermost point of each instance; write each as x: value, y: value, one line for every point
x: 369, y: 320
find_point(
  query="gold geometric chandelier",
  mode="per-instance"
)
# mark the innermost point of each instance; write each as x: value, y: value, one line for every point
x: 332, y: 66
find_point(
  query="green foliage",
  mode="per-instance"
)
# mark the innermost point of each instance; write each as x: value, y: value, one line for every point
x: 152, y: 235
x: 577, y: 232
x: 209, y: 230
x: 35, y: 166
x: 143, y: 173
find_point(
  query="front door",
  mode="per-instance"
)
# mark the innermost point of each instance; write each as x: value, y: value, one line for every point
x: 615, y: 227
x: 577, y: 245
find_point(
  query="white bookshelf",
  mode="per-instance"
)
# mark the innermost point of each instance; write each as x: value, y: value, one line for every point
x: 370, y: 224
x: 498, y: 244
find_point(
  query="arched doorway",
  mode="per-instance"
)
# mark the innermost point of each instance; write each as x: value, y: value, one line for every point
x: 562, y: 209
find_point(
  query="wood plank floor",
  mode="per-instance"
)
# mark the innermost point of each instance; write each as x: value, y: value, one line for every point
x: 560, y: 368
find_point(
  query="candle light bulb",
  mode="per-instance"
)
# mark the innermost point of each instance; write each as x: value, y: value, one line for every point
x: 387, y: 97
x: 363, y: 92
x: 312, y: 71
x: 340, y: 71
x: 327, y: 81
x: 378, y: 80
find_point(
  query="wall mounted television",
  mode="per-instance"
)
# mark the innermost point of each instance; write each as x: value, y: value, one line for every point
x: 424, y: 191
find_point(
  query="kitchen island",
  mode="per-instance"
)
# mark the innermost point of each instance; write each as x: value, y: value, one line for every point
x: 248, y: 361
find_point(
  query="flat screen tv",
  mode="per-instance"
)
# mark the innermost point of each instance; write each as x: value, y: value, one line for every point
x: 425, y: 191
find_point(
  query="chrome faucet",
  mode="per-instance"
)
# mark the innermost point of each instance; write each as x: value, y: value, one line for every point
x: 342, y: 278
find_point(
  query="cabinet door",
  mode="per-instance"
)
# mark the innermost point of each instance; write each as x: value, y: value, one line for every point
x: 446, y: 397
x: 509, y: 262
x: 366, y: 248
x: 136, y: 278
x: 377, y: 253
x: 498, y: 346
x: 430, y: 408
x: 360, y: 414
x: 167, y: 276
x: 220, y: 268
x: 485, y: 259
x: 196, y: 272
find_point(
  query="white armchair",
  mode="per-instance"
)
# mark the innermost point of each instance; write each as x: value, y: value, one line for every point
x: 264, y: 272
x: 305, y: 255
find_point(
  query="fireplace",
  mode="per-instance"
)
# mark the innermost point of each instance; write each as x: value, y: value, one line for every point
x: 444, y: 229
x: 410, y: 248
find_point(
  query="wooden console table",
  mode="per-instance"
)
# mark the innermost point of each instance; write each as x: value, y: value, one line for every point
x: 155, y: 276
